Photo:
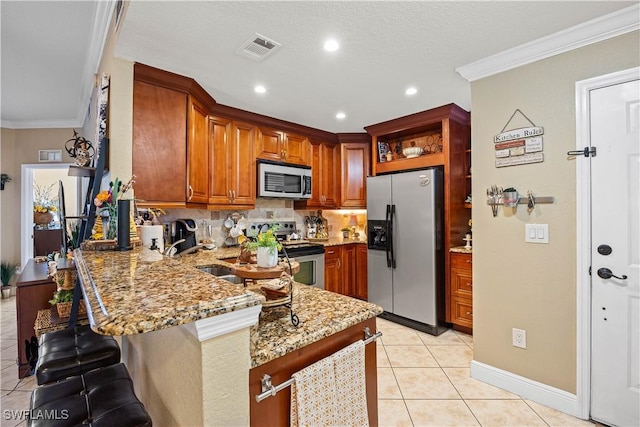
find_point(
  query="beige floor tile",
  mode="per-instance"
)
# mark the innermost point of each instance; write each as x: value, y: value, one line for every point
x: 410, y: 356
x: 452, y: 356
x: 393, y: 413
x: 387, y: 384
x: 424, y: 383
x: 440, y: 413
x: 506, y: 413
x: 446, y: 338
x: 556, y: 418
x: 468, y: 339
x: 470, y: 388
x: 382, y: 359
x: 387, y: 324
x: 400, y: 336
x: 12, y: 406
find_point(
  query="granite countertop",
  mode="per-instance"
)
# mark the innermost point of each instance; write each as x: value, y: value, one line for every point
x: 461, y: 250
x: 335, y: 241
x: 139, y: 291
x: 321, y: 314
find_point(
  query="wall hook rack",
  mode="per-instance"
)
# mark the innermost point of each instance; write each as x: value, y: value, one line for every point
x: 495, y: 198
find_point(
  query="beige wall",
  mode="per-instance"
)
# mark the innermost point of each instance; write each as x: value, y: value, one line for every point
x: 18, y: 147
x: 524, y: 285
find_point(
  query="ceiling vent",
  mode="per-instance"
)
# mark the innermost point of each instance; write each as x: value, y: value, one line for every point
x: 258, y: 47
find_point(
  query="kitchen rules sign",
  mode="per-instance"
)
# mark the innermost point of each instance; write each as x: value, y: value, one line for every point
x: 519, y: 146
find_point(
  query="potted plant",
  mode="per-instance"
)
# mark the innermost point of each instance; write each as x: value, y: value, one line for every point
x: 267, y: 246
x: 4, y: 178
x: 7, y: 271
x: 44, y: 204
x: 510, y: 197
x: 345, y: 232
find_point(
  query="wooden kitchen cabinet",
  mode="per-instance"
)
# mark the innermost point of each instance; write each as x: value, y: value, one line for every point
x: 169, y: 125
x: 354, y: 162
x: 232, y: 156
x: 346, y: 269
x: 461, y: 291
x: 34, y: 289
x: 159, y: 145
x: 325, y: 186
x: 275, y: 410
x: 197, y: 153
x: 281, y: 146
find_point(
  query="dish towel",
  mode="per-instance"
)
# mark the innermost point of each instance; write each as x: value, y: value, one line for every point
x: 332, y: 391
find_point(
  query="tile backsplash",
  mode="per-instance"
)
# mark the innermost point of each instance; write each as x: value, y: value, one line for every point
x: 266, y: 210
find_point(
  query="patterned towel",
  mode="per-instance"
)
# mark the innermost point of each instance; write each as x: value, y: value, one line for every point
x: 332, y: 391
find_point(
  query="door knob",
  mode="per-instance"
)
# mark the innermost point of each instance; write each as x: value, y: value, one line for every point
x: 605, y: 273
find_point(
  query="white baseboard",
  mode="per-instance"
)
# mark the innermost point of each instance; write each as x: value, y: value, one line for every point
x: 527, y: 389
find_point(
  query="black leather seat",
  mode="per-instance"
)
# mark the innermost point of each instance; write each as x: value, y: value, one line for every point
x: 74, y: 351
x: 100, y: 398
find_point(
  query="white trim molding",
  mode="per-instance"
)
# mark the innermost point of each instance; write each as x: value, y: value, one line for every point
x: 527, y: 389
x: 583, y: 231
x: 215, y: 326
x: 599, y: 29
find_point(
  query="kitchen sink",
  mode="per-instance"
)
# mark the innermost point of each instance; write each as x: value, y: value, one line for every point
x: 216, y: 270
x: 221, y: 273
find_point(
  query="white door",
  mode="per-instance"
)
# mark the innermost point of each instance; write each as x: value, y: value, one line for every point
x: 615, y: 309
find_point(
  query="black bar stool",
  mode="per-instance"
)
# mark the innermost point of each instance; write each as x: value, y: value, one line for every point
x: 100, y: 398
x: 73, y: 351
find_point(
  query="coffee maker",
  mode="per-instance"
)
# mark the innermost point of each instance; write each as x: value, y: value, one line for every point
x: 183, y: 229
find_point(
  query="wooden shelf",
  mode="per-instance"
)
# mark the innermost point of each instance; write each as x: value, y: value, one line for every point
x: 468, y: 205
x: 424, y: 161
x: 81, y: 171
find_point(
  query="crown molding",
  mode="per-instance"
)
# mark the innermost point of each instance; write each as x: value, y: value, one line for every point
x: 594, y: 31
x: 41, y: 124
x: 215, y: 326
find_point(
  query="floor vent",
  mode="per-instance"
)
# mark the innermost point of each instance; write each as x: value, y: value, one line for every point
x: 258, y: 47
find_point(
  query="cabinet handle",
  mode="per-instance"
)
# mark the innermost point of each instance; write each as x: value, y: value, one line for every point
x: 469, y: 313
x: 330, y: 252
x: 190, y: 193
x: 229, y: 196
x: 339, y: 264
x: 233, y: 193
x: 468, y: 261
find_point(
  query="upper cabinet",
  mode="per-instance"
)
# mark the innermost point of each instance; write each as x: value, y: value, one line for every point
x: 281, y: 146
x: 354, y: 163
x: 170, y: 134
x: 233, y: 168
x: 325, y: 187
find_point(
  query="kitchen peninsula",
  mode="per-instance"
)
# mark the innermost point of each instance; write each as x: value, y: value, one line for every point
x: 197, y: 346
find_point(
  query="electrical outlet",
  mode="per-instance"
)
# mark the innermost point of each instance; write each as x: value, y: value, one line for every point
x: 519, y: 338
x: 269, y: 214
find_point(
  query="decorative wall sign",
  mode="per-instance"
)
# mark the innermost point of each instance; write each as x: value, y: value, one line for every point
x: 519, y: 146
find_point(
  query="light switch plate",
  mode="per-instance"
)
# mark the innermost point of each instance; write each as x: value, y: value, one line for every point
x: 536, y: 233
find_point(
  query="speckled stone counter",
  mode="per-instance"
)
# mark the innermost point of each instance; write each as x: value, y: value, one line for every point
x: 321, y: 313
x: 131, y: 293
x: 461, y: 250
x: 335, y: 241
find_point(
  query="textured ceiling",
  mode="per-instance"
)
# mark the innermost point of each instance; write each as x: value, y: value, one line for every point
x: 385, y: 47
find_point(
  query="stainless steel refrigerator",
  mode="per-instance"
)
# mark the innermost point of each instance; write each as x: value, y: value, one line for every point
x: 405, y: 255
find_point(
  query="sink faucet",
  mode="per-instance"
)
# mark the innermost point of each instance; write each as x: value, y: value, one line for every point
x: 171, y: 249
x: 190, y: 250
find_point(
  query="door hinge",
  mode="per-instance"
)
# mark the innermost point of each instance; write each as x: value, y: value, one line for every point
x: 588, y: 151
x: 589, y: 270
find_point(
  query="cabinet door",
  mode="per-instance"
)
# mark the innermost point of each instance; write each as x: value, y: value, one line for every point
x: 349, y: 270
x: 243, y: 165
x: 219, y: 184
x: 361, y: 272
x: 198, y: 154
x: 296, y: 149
x: 159, y: 139
x: 270, y: 145
x: 333, y: 269
x: 330, y: 188
x: 354, y: 159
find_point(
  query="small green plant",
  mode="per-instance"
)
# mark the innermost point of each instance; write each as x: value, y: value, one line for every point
x: 266, y: 240
x: 7, y: 271
x: 61, y: 296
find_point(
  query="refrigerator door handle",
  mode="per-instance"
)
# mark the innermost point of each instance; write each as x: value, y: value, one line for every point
x: 390, y: 235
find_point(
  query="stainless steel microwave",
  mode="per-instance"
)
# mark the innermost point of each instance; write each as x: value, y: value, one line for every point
x: 284, y: 181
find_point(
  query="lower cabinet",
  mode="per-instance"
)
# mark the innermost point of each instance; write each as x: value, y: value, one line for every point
x: 461, y: 298
x: 274, y: 410
x: 345, y: 270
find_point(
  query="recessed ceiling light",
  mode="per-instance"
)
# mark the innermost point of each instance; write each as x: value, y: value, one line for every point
x: 331, y: 45
x: 411, y: 91
x: 260, y: 89
x: 340, y: 115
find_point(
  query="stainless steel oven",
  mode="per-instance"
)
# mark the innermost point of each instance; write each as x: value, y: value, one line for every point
x: 311, y: 270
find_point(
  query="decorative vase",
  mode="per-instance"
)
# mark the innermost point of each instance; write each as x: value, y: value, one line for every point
x: 6, y: 292
x: 112, y: 226
x: 267, y: 257
x: 42, y: 218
